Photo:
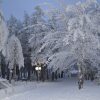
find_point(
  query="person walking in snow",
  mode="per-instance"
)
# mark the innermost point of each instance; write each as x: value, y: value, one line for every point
x: 80, y: 81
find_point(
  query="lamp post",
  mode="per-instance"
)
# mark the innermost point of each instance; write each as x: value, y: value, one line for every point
x: 38, y: 69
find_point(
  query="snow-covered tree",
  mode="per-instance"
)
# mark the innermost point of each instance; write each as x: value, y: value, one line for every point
x: 64, y: 37
x: 84, y: 44
x: 39, y: 29
x: 79, y: 34
x: 14, y: 54
x: 3, y: 32
x: 37, y: 16
x: 14, y: 26
x: 3, y: 39
x: 25, y: 33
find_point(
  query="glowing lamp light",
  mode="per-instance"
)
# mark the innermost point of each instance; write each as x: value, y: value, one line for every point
x: 38, y: 68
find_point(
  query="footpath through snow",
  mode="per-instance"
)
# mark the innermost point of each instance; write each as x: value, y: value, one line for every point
x: 60, y: 90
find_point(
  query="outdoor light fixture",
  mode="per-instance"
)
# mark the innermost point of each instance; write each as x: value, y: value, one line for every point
x: 38, y: 68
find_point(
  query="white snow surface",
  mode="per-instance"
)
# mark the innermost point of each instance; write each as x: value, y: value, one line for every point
x: 60, y: 90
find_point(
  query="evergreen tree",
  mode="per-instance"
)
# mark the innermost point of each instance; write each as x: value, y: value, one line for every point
x: 14, y: 26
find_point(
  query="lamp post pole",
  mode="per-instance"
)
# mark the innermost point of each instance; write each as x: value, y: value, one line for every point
x: 38, y: 69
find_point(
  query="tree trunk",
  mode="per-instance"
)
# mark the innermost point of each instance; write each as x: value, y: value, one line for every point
x: 10, y: 76
x: 14, y: 73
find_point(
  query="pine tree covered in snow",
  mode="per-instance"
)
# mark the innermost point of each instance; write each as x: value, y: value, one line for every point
x: 14, y: 26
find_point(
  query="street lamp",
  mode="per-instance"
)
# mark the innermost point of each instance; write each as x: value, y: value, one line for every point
x: 38, y: 69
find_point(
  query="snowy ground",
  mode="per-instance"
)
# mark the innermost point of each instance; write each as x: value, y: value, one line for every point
x: 60, y: 90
